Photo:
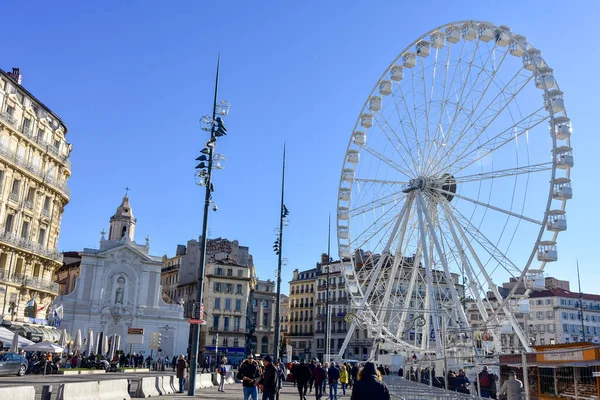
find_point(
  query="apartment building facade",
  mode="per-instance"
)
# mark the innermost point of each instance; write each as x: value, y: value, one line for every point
x: 34, y: 169
x: 302, y: 307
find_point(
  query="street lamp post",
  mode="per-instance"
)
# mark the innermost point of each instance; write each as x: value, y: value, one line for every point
x: 277, y: 247
x: 327, y: 312
x: 207, y: 159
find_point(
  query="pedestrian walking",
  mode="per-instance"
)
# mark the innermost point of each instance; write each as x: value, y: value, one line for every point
x: 302, y: 376
x: 222, y: 371
x: 484, y: 382
x: 333, y: 376
x: 319, y: 377
x: 205, y: 365
x: 268, y: 383
x: 174, y: 363
x: 369, y: 385
x: 343, y: 379
x: 512, y: 387
x: 181, y: 372
x: 249, y: 374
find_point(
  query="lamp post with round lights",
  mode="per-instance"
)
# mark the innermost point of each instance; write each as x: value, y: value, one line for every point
x: 208, y: 160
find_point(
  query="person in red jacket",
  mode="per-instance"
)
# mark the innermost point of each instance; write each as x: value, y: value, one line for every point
x: 319, y: 377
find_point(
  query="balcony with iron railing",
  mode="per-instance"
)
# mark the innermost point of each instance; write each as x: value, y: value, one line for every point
x: 30, y: 281
x: 12, y: 157
x: 15, y: 240
x: 27, y: 131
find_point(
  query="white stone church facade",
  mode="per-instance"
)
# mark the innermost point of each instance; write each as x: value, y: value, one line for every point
x: 119, y: 288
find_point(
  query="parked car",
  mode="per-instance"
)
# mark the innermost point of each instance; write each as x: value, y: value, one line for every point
x: 12, y: 363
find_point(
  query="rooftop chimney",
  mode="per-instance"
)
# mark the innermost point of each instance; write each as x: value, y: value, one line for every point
x: 16, y: 75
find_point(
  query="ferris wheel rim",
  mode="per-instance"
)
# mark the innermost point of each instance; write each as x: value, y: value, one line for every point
x: 551, y: 119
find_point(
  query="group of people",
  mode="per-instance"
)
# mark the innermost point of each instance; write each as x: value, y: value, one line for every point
x: 265, y: 376
x: 459, y: 382
x: 366, y: 383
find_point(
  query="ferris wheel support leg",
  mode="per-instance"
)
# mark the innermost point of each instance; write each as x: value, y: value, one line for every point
x: 428, y: 274
x: 467, y: 267
x: 491, y: 284
x: 348, y: 338
x: 453, y: 293
x: 398, y: 259
x: 384, y: 256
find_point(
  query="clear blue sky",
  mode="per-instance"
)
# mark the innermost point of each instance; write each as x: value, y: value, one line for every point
x: 132, y: 78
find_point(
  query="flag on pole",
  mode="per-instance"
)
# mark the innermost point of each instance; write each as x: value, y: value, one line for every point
x: 30, y: 309
x: 58, y: 315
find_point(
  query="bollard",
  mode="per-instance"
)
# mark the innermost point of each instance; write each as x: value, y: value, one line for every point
x: 47, y: 392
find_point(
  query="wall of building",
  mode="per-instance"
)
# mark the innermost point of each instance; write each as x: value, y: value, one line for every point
x: 34, y: 169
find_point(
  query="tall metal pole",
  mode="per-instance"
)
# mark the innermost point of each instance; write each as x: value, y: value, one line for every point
x: 195, y: 328
x: 327, y: 339
x: 278, y: 299
x: 581, y: 305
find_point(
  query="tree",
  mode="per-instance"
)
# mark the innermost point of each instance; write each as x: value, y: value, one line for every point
x: 283, y: 347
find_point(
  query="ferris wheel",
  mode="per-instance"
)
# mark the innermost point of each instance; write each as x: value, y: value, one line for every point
x: 455, y: 181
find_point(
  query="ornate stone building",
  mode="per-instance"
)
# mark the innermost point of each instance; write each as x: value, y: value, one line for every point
x: 119, y: 287
x: 34, y: 168
x: 228, y: 286
x: 263, y: 316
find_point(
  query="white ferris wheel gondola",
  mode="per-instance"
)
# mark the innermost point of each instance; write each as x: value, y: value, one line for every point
x: 449, y: 196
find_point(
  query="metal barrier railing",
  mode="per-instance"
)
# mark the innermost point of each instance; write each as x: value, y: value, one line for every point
x: 404, y: 389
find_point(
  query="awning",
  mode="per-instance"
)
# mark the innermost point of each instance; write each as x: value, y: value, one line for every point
x: 6, y: 336
x: 38, y: 332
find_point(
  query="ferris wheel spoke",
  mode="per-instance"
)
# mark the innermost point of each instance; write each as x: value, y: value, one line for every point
x: 474, y: 108
x: 511, y: 172
x: 392, y: 198
x: 487, y: 244
x: 491, y: 207
x: 390, y: 162
x: 513, y: 132
x: 503, y: 104
x: 380, y: 181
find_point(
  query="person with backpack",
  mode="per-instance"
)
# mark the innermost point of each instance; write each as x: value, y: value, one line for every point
x: 222, y: 371
x: 484, y: 379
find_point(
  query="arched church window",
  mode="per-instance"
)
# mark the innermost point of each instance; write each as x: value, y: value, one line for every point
x: 124, y: 231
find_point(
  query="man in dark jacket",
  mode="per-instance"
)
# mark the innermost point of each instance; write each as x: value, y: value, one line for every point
x: 319, y: 377
x: 333, y: 376
x: 354, y: 372
x: 302, y: 374
x: 249, y: 374
x: 369, y: 386
x: 268, y: 381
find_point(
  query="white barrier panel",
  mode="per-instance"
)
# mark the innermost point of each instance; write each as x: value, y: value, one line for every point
x: 215, y: 379
x: 166, y: 385
x: 147, y: 387
x: 117, y: 389
x: 79, y: 390
x: 173, y: 383
x: 229, y: 379
x: 206, y: 381
x: 17, y: 392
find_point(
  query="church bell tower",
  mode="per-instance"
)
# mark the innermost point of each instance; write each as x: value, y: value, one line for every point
x: 122, y: 224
